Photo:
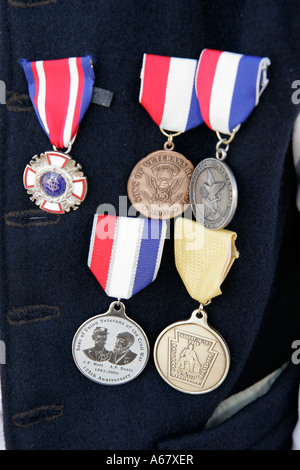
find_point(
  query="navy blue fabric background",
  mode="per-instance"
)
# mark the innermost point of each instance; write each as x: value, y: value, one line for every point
x: 48, y: 290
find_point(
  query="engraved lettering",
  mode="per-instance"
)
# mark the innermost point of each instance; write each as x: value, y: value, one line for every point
x: 136, y: 191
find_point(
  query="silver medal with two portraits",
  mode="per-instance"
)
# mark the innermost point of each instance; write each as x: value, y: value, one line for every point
x: 110, y: 348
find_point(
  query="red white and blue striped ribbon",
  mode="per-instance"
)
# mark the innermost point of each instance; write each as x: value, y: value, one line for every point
x: 168, y: 92
x: 229, y: 86
x: 60, y: 91
x: 125, y: 253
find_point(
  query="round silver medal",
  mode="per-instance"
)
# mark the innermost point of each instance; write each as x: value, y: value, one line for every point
x: 213, y: 194
x: 110, y: 349
x: 191, y: 356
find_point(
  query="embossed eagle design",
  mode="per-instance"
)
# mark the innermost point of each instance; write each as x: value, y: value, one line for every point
x: 211, y: 195
x: 164, y: 185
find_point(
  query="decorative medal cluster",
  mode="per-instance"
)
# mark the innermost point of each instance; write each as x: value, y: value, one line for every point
x: 220, y: 90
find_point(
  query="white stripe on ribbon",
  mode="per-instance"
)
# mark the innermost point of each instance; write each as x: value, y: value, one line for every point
x: 92, y: 242
x: 41, y: 101
x: 222, y: 91
x: 124, y: 257
x: 178, y: 94
x: 74, y: 80
x: 142, y: 74
x: 262, y: 78
x: 160, y: 249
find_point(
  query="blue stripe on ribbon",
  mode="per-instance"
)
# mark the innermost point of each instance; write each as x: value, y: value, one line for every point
x: 244, y: 94
x: 148, y: 254
x: 89, y: 78
x: 195, y: 117
x: 31, y: 88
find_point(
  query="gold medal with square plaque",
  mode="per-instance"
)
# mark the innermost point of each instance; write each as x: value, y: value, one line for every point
x: 191, y: 356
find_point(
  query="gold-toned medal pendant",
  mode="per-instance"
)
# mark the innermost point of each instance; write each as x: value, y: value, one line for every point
x: 191, y: 356
x: 158, y: 186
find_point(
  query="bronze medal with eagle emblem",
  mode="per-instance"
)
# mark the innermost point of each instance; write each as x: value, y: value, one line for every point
x: 158, y: 186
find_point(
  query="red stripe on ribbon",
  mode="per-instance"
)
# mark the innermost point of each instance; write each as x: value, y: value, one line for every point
x: 204, y: 80
x: 156, y: 71
x: 57, y: 75
x: 101, y: 250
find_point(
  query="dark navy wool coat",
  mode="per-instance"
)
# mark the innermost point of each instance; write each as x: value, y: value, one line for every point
x: 47, y: 290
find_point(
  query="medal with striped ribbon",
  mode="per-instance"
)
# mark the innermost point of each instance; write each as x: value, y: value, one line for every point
x: 158, y: 186
x: 228, y: 87
x: 60, y: 91
x: 190, y: 355
x: 124, y: 256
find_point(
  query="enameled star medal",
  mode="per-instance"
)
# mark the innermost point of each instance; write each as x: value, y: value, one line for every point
x: 60, y: 91
x: 158, y: 186
x: 124, y: 256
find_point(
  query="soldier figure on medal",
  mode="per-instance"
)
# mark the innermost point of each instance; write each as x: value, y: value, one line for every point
x: 99, y: 352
